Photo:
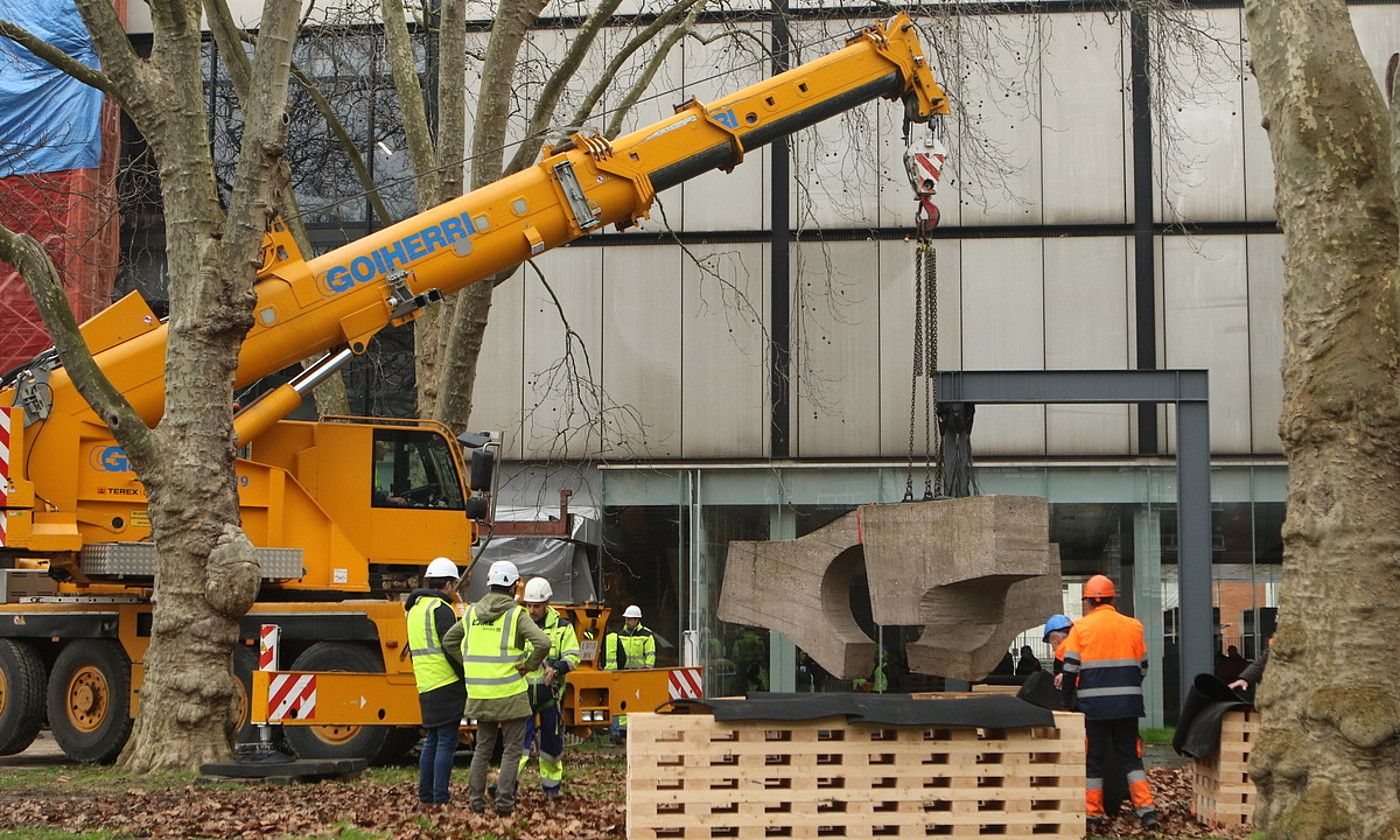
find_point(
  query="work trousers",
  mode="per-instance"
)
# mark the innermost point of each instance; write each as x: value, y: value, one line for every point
x: 1121, y: 736
x: 547, y: 729
x: 512, y: 735
x: 435, y: 764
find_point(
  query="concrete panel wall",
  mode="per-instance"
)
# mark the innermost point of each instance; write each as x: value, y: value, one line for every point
x: 1200, y: 160
x: 1087, y: 326
x: 836, y: 349
x: 1083, y: 120
x: 1004, y: 329
x: 1206, y: 292
x: 641, y: 353
x: 1265, y: 340
x: 724, y: 352
x: 500, y: 373
x: 561, y: 417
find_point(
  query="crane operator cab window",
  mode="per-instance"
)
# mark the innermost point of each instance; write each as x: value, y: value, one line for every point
x: 414, y: 469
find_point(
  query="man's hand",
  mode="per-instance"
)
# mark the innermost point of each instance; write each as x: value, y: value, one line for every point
x: 549, y: 674
x: 1240, y: 685
x: 522, y: 670
x: 1059, y: 682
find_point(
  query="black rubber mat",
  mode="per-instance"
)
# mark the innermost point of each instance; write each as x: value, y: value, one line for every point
x: 998, y: 711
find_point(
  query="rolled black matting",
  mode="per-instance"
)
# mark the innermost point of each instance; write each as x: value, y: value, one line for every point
x: 1198, y: 726
x: 997, y: 711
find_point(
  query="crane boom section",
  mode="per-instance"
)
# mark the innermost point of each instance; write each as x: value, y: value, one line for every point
x: 339, y: 298
x: 344, y: 297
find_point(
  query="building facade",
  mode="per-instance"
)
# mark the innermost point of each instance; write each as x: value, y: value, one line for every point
x: 745, y: 357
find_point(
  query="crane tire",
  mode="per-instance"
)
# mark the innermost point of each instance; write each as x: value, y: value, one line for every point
x: 328, y: 742
x: 22, y: 678
x: 245, y: 662
x: 89, y: 702
x: 401, y: 741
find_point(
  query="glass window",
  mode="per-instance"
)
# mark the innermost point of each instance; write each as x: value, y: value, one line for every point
x: 414, y: 469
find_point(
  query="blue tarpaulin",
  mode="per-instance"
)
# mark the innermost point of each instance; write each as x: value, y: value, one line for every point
x: 49, y: 121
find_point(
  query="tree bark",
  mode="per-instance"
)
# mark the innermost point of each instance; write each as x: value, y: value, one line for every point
x: 206, y: 571
x: 1327, y: 762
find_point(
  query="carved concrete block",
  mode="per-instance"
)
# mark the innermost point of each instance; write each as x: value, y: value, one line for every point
x: 974, y: 572
x: 801, y: 588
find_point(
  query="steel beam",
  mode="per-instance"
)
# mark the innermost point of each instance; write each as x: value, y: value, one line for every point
x: 1189, y: 391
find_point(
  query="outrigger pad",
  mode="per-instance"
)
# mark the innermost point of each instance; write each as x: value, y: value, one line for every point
x: 974, y: 572
x: 300, y: 769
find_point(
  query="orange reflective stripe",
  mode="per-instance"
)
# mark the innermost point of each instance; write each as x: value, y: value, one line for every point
x: 1141, y: 795
x: 1093, y: 803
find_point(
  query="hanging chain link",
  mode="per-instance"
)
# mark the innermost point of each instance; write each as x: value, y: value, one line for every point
x: 924, y: 165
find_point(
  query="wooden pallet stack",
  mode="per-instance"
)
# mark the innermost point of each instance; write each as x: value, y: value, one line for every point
x: 689, y: 776
x: 1223, y: 792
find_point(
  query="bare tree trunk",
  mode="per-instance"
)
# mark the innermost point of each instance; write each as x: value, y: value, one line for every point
x: 1328, y: 759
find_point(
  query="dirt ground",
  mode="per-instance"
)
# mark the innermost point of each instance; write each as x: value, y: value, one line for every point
x: 41, y: 798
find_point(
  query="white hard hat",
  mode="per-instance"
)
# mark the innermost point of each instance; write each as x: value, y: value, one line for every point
x: 502, y: 573
x: 538, y: 591
x: 441, y: 567
x: 633, y: 611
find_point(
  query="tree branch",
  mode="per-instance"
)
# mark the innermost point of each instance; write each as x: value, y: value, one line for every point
x: 415, y: 117
x: 609, y: 74
x: 119, y: 60
x: 452, y: 98
x: 347, y: 143
x: 62, y: 60
x: 228, y: 38
x: 579, y: 46
x: 653, y: 67
x: 264, y: 134
x: 29, y: 258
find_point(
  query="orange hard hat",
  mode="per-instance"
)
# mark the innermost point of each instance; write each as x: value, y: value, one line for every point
x: 1099, y: 586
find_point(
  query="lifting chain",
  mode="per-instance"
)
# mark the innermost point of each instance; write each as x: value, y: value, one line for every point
x: 924, y: 165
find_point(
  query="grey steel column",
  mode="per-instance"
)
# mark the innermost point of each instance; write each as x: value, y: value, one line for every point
x: 1193, y: 529
x: 1147, y: 603
x: 782, y: 653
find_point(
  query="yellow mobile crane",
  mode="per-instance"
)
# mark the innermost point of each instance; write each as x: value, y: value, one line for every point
x: 76, y: 558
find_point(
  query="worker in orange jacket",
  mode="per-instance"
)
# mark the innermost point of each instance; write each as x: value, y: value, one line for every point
x: 1105, y: 659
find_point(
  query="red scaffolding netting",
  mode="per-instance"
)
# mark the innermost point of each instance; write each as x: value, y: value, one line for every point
x: 73, y: 214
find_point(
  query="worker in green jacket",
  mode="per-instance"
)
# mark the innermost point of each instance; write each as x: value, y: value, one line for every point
x: 545, y: 726
x: 498, y: 645
x: 634, y: 646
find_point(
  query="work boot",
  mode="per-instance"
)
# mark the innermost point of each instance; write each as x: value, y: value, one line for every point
x: 505, y: 812
x: 1149, y: 820
x: 491, y: 794
x: 1095, y: 822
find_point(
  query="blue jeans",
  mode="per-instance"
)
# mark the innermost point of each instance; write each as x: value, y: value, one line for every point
x: 435, y: 765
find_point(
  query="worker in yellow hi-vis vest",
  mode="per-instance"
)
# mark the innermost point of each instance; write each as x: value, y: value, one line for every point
x: 493, y: 638
x: 634, y: 646
x: 441, y: 693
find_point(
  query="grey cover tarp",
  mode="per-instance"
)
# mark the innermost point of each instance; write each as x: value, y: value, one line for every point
x: 563, y: 563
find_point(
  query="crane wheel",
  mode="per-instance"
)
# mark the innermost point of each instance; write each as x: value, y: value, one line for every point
x: 338, y: 741
x: 22, y: 680
x: 89, y: 702
x: 245, y: 662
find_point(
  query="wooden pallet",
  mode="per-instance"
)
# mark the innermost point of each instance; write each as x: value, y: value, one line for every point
x: 689, y: 776
x: 1223, y: 793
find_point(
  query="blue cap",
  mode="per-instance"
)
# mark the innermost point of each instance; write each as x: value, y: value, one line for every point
x: 1055, y: 622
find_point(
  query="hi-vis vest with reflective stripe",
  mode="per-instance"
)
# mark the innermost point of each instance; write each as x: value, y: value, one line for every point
x: 1108, y: 653
x: 489, y: 655
x: 564, y: 643
x: 431, y: 668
